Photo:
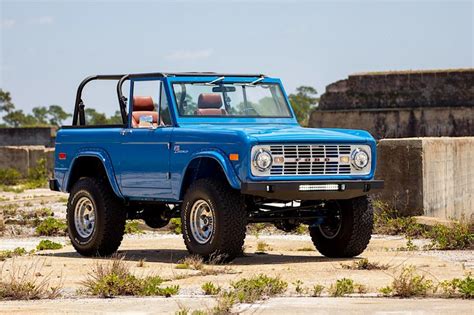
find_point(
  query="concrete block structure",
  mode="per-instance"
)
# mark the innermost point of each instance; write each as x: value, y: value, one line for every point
x: 401, y: 104
x: 28, y: 136
x: 22, y: 158
x: 428, y: 176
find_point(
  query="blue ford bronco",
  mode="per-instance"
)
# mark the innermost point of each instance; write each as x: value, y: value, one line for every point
x: 219, y: 151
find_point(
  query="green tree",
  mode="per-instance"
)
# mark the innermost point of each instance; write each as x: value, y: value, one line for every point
x: 6, y: 104
x: 17, y: 118
x: 303, y: 102
x: 95, y: 118
x: 40, y: 114
x: 57, y: 115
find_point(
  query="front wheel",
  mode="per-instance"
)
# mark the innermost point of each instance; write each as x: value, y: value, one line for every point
x: 347, y: 232
x: 95, y: 218
x: 213, y: 219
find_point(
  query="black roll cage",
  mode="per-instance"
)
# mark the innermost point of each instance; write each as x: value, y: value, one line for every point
x: 79, y: 118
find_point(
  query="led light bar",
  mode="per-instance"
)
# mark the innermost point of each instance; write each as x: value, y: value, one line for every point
x: 320, y: 187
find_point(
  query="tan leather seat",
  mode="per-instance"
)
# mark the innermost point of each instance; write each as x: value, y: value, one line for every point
x: 143, y: 106
x: 209, y: 104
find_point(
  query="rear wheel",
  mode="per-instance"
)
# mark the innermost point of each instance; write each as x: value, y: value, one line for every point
x: 213, y: 219
x: 347, y: 232
x: 95, y: 218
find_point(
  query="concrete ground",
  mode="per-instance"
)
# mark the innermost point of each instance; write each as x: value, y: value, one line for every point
x: 291, y: 257
x: 274, y: 306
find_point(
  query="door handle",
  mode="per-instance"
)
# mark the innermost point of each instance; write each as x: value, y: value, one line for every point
x: 124, y: 132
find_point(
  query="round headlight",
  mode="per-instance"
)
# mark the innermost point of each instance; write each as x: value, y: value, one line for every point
x: 263, y: 160
x: 360, y: 158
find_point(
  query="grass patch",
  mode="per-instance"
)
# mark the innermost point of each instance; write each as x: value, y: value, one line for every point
x: 458, y: 236
x: 51, y: 227
x: 115, y: 279
x: 249, y: 290
x: 192, y: 262
x: 409, y: 284
x: 262, y: 247
x: 9, y: 177
x: 23, y: 283
x: 175, y: 225
x: 5, y: 254
x: 458, y: 287
x: 133, y: 227
x: 342, y: 287
x: 210, y: 288
x: 47, y: 244
x: 365, y: 264
x: 317, y: 290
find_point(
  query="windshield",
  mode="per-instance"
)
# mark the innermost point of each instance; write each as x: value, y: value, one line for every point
x: 231, y: 100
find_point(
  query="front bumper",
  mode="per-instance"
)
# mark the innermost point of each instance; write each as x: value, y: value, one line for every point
x: 312, y: 190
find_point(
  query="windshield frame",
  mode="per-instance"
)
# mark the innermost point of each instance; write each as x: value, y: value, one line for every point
x: 229, y: 118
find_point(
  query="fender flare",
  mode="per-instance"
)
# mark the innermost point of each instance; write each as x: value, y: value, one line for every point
x: 104, y: 158
x: 225, y: 164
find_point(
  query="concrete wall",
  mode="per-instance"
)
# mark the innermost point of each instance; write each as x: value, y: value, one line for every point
x: 428, y: 176
x: 400, y: 123
x: 401, y: 89
x: 28, y: 136
x: 400, y: 104
x: 22, y: 158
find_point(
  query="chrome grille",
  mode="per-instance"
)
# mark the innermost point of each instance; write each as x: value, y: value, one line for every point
x: 310, y: 159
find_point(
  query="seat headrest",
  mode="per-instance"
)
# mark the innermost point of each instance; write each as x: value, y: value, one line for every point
x: 143, y: 103
x: 209, y: 100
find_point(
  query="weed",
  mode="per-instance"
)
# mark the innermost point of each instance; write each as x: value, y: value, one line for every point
x: 190, y: 262
x: 63, y: 199
x: 47, y: 244
x: 225, y: 302
x: 141, y: 263
x: 19, y: 251
x: 262, y: 247
x: 457, y: 236
x: 342, y: 287
x: 386, y: 291
x: 317, y: 290
x: 256, y: 228
x: 299, y: 287
x: 175, y: 225
x: 22, y: 284
x: 408, y: 284
x: 51, y: 227
x: 115, y: 279
x: 132, y: 227
x: 466, y: 287
x: 9, y: 176
x: 301, y: 229
x: 258, y: 287
x: 210, y: 288
x: 364, y: 264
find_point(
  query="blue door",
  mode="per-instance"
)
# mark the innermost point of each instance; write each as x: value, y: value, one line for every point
x: 144, y: 166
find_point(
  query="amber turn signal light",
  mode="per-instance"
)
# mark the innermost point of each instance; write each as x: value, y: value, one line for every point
x: 234, y: 157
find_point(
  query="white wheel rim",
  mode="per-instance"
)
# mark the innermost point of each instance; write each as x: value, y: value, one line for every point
x: 202, y: 221
x: 84, y: 217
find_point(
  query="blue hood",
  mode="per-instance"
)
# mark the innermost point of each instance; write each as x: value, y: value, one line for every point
x: 265, y: 133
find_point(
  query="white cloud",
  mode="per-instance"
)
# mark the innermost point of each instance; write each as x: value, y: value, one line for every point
x: 7, y: 23
x: 189, y: 55
x: 42, y: 20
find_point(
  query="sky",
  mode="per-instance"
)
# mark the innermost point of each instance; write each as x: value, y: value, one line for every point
x: 48, y: 47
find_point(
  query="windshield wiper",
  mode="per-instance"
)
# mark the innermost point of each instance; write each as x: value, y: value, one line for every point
x: 213, y: 82
x: 253, y: 83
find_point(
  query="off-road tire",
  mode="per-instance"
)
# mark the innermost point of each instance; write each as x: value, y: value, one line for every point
x: 355, y: 231
x: 110, y: 218
x: 230, y: 219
